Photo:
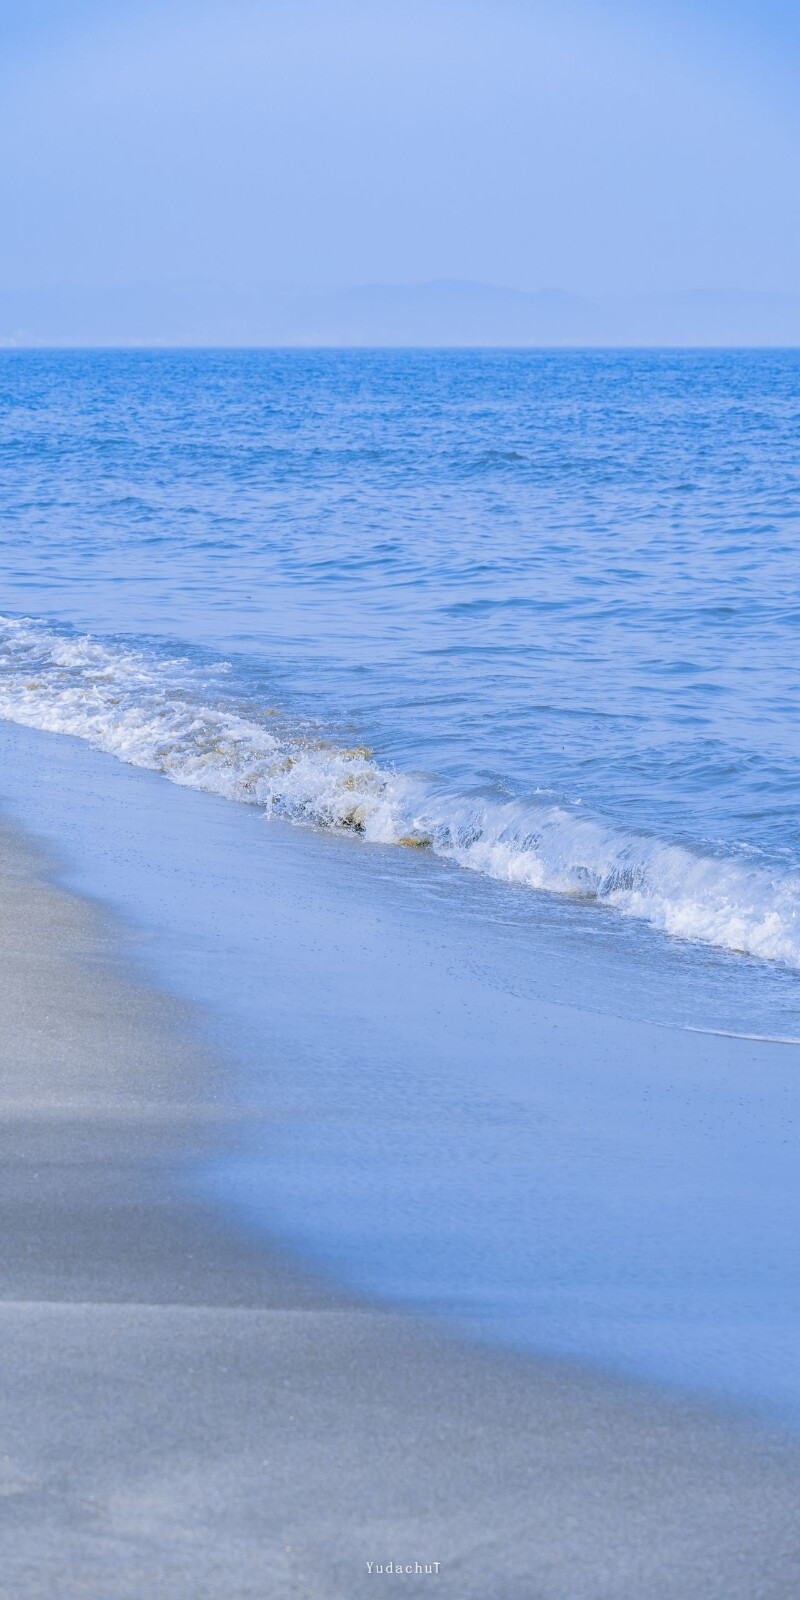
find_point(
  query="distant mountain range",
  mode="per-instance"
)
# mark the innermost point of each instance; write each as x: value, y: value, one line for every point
x: 432, y: 314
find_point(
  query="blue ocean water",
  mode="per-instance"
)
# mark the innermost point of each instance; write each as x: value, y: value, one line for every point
x: 474, y: 679
x: 547, y: 601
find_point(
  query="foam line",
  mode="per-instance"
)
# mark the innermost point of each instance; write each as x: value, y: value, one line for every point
x: 161, y: 711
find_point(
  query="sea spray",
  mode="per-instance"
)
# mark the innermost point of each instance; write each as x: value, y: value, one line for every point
x: 163, y: 710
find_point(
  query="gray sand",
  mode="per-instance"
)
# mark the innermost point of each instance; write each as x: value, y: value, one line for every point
x: 187, y: 1415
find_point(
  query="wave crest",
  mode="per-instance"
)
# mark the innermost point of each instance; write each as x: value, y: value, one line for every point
x: 163, y: 713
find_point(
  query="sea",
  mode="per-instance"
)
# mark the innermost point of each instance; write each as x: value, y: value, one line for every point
x: 433, y: 717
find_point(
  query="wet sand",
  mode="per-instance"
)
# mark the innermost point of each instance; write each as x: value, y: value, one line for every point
x: 186, y: 1413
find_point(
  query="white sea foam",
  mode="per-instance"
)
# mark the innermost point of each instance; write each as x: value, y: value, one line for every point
x: 166, y: 715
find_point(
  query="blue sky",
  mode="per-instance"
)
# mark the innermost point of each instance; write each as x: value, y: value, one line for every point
x: 590, y: 147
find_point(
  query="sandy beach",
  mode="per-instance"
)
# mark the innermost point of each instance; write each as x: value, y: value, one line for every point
x: 185, y: 1413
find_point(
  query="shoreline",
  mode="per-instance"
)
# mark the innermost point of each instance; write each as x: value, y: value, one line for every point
x: 185, y: 1411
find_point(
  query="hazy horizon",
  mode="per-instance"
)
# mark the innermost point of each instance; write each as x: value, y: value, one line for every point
x: 599, y: 151
x: 446, y: 314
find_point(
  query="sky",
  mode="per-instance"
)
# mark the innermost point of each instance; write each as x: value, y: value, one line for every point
x: 594, y: 148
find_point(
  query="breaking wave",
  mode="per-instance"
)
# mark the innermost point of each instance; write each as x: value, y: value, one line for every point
x: 162, y: 712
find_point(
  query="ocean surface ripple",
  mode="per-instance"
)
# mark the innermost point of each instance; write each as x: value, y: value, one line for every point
x: 533, y: 612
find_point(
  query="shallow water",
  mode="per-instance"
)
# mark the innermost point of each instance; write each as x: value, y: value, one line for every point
x: 423, y: 1127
